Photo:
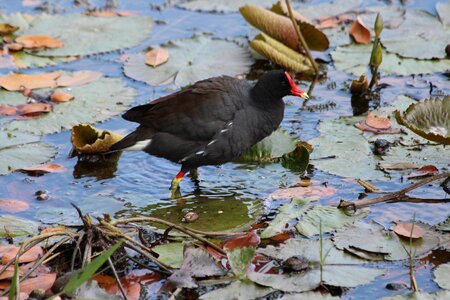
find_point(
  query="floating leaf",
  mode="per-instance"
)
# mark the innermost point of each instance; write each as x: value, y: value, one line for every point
x: 298, y: 192
x: 78, y: 78
x: 15, y: 226
x: 13, y: 205
x: 416, y: 43
x: 240, y: 253
x: 156, y: 57
x: 280, y: 28
x: 329, y: 9
x: 237, y: 290
x: 88, y: 139
x: 430, y: 119
x: 94, y: 102
x: 250, y: 239
x: 6, y: 29
x: 192, y: 59
x: 409, y: 230
x: 170, y: 254
x: 353, y: 59
x: 16, y: 82
x: 59, y: 96
x: 222, y: 6
x: 424, y: 171
x: 442, y: 276
x: 83, y: 35
x: 34, y: 109
x: 44, y: 282
x: 20, y: 150
x: 359, y: 31
x: 376, y: 124
x: 280, y: 54
x: 7, y: 110
x: 45, y: 168
x: 31, y: 255
x: 39, y: 41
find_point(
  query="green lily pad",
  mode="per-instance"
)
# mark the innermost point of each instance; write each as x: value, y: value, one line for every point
x: 421, y: 35
x: 310, y: 249
x: 331, y: 218
x: 22, y: 150
x: 83, y: 34
x: 442, y: 276
x: 238, y: 290
x: 170, y: 254
x: 23, y: 59
x: 17, y: 19
x: 354, y: 59
x: 94, y: 102
x: 443, y: 10
x: 191, y: 60
x: 222, y: 6
x: 328, y: 9
x: 430, y: 119
x: 15, y: 226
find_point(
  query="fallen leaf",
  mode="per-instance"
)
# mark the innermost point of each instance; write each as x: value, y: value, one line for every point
x: 156, y: 57
x: 44, y: 282
x: 109, y: 284
x: 34, y: 108
x: 6, y: 29
x: 13, y: 205
x: 423, y: 172
x: 404, y: 230
x: 31, y: 255
x: 362, y: 125
x: 22, y: 296
x: 14, y: 47
x: 297, y: 192
x: 53, y: 229
x: 251, y: 239
x: 39, y: 41
x: 16, y: 82
x: 9, y: 273
x: 359, y: 32
x: 88, y: 139
x: 78, y: 78
x: 45, y: 168
x: 59, y: 96
x: 7, y: 110
x: 378, y: 122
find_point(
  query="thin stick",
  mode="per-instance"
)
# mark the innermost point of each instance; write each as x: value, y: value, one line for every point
x: 124, y: 294
x: 301, y: 39
x: 395, y: 196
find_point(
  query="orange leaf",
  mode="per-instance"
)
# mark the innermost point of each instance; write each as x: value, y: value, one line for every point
x: 251, y: 239
x: 53, y: 229
x: 9, y: 273
x: 423, y: 172
x: 378, y: 122
x: 130, y: 283
x: 14, y: 46
x: 22, y: 296
x: 34, y: 108
x: 13, y: 205
x: 6, y: 110
x: 78, y: 78
x: 310, y: 191
x: 359, y: 32
x: 156, y: 57
x: 16, y: 82
x: 59, y: 96
x: 45, y: 168
x: 39, y: 41
x: 31, y: 255
x: 405, y: 230
x: 44, y: 282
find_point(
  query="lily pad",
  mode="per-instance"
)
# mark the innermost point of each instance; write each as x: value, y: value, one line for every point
x: 238, y: 290
x: 442, y: 276
x: 191, y: 60
x: 23, y: 59
x: 331, y: 218
x: 430, y: 119
x: 328, y: 9
x: 15, y: 226
x: 94, y: 102
x: 443, y: 10
x: 222, y: 6
x: 83, y: 34
x: 308, y: 296
x: 421, y: 35
x: 170, y: 254
x: 421, y: 296
x: 22, y: 150
x: 354, y: 59
x: 88, y: 139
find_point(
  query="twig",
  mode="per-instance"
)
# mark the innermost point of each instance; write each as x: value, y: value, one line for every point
x: 301, y: 39
x: 124, y: 294
x: 395, y: 196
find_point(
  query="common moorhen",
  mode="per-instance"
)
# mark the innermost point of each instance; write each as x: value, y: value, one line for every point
x: 211, y: 122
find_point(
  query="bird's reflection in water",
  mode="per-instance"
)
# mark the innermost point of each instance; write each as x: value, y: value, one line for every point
x: 98, y: 166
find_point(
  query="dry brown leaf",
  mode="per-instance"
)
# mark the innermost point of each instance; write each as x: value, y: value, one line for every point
x: 156, y: 57
x: 44, y: 282
x: 13, y: 205
x: 22, y: 296
x: 108, y: 283
x: 16, y: 82
x: 78, y: 78
x: 14, y: 46
x: 45, y: 168
x: 296, y: 192
x: 9, y: 273
x: 404, y: 230
x: 34, y: 108
x: 60, y: 96
x: 6, y: 110
x: 359, y: 32
x: 39, y: 41
x: 31, y: 255
x: 6, y: 29
x: 423, y: 172
x: 53, y: 229
x: 378, y: 122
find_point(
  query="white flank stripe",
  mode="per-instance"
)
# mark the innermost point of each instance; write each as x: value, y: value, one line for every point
x: 138, y: 146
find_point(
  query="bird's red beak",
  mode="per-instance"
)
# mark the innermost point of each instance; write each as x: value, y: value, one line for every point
x: 295, y: 90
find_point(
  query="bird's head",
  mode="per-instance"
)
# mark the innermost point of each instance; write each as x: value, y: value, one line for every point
x: 279, y: 84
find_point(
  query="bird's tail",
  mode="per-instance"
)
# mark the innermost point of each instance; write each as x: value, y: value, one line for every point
x: 135, y: 141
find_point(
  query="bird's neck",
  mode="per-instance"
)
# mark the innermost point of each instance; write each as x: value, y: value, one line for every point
x: 261, y: 96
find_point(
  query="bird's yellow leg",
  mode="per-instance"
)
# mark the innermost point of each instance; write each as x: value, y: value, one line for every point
x: 175, y: 185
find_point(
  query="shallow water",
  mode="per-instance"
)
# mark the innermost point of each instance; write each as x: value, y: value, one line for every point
x: 231, y: 195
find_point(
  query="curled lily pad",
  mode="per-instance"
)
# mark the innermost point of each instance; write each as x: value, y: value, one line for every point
x: 88, y: 139
x: 191, y: 60
x: 430, y: 119
x: 280, y: 54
